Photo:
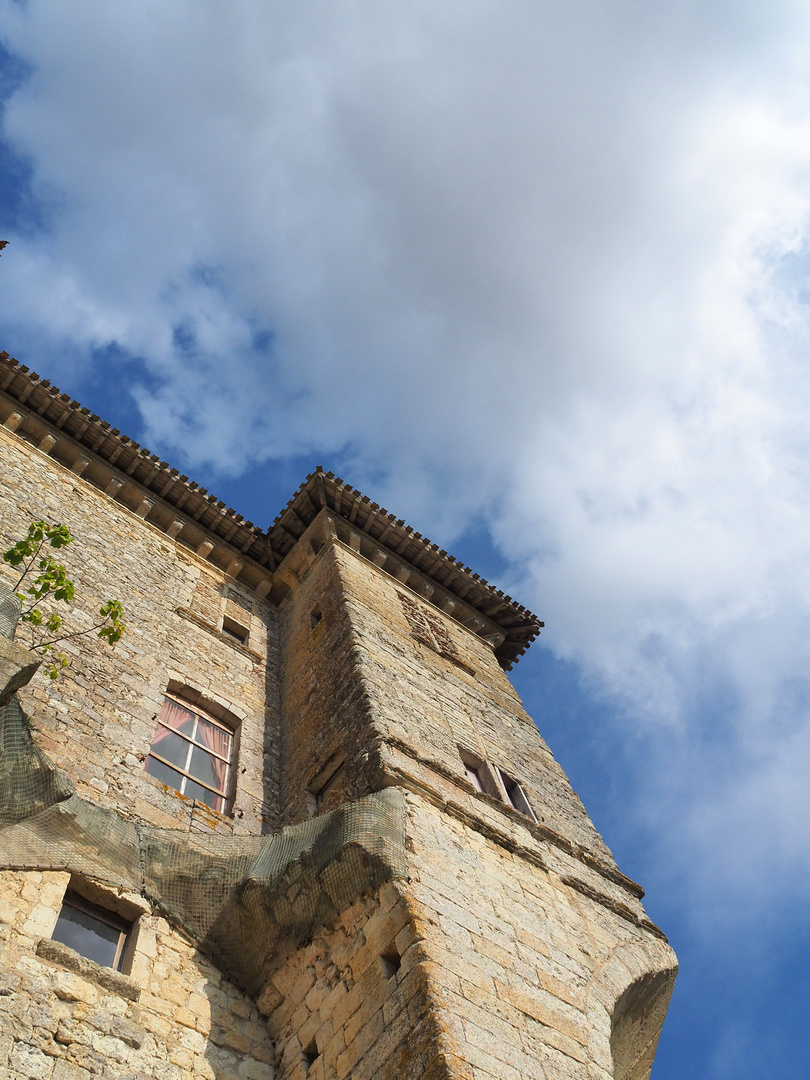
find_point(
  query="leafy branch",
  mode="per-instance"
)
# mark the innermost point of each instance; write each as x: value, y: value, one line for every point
x: 48, y: 579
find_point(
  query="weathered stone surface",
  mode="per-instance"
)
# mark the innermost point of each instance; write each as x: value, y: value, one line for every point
x: 512, y: 947
x: 58, y: 1008
x: 17, y: 668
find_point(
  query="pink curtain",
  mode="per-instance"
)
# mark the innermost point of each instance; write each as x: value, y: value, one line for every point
x: 177, y: 716
x: 161, y: 733
x: 214, y: 738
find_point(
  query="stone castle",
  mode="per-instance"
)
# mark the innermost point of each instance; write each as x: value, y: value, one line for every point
x: 297, y: 823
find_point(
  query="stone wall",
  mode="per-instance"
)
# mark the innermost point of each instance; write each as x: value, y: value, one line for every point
x: 514, y: 950
x: 171, y: 1017
x: 527, y: 970
x: 323, y: 700
x: 358, y: 1000
x: 366, y: 675
x: 527, y: 933
x: 98, y: 720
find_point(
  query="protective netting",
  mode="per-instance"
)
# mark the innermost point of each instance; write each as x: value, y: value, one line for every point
x: 10, y: 608
x: 247, y: 901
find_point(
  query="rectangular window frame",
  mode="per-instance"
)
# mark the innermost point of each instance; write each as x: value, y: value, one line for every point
x: 224, y: 792
x: 515, y: 795
x: 125, y: 927
x: 235, y: 631
x: 486, y: 782
x: 474, y: 776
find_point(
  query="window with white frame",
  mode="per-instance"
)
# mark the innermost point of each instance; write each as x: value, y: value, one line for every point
x: 192, y: 753
x: 474, y: 776
x: 516, y: 795
x: 478, y: 772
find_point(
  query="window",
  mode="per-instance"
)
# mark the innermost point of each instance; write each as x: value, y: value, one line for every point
x: 328, y: 780
x: 474, y: 776
x: 192, y: 753
x: 478, y: 772
x: 92, y: 931
x: 235, y: 631
x: 514, y: 793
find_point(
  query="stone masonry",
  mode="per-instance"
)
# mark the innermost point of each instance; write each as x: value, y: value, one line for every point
x: 495, y: 940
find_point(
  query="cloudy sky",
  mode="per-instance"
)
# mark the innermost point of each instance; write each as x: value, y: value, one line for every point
x: 534, y: 275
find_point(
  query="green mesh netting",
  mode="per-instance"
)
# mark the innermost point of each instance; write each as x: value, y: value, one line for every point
x: 247, y: 901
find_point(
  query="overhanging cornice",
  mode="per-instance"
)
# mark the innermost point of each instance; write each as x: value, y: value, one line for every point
x: 90, y: 447
x: 411, y: 558
x: 93, y: 449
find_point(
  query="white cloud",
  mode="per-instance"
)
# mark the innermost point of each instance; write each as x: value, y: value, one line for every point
x: 544, y: 263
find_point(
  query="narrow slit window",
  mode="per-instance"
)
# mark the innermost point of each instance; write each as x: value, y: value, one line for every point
x: 192, y: 753
x: 475, y: 770
x: 516, y: 796
x: 329, y: 779
x: 474, y: 776
x: 92, y: 931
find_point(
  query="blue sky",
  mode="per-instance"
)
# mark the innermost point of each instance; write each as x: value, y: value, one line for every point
x: 533, y: 276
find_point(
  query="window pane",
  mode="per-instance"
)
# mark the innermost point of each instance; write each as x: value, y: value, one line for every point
x: 474, y: 777
x: 177, y: 717
x: 172, y: 747
x: 207, y: 768
x: 87, y: 935
x: 514, y: 792
x: 163, y: 773
x: 210, y: 798
x: 214, y: 738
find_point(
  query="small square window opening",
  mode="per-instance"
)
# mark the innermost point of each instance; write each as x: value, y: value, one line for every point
x: 192, y: 753
x: 92, y: 931
x: 235, y: 631
x: 390, y: 962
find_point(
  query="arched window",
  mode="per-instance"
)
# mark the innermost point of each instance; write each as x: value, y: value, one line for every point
x: 193, y: 753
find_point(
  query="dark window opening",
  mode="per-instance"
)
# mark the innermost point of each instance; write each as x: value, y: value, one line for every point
x: 315, y: 618
x: 192, y: 753
x: 92, y: 931
x: 311, y: 1055
x: 235, y: 631
x: 516, y: 796
x: 390, y: 962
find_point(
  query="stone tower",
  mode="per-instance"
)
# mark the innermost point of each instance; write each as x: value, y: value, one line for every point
x: 297, y: 824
